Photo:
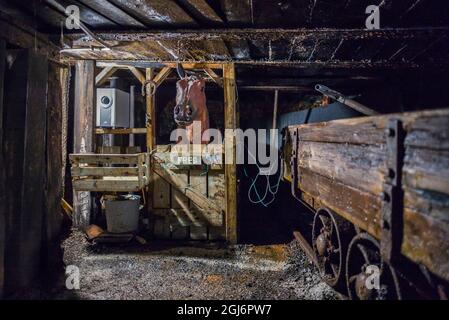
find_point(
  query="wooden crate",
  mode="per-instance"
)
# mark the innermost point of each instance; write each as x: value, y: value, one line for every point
x: 110, y: 172
x: 342, y: 165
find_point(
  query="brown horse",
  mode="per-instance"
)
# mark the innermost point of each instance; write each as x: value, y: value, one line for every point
x: 191, y: 109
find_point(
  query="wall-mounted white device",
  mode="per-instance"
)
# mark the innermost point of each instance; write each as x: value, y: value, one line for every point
x: 112, y: 108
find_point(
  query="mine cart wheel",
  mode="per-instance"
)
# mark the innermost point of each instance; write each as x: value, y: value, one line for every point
x: 367, y: 277
x: 329, y: 246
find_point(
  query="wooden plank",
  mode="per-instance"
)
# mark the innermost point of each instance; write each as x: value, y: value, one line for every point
x: 426, y: 169
x: 178, y: 199
x: 216, y: 188
x: 426, y: 229
x: 172, y: 64
x: 203, y: 11
x: 211, y: 212
x: 25, y: 143
x: 157, y: 13
x: 114, y: 13
x: 360, y: 166
x: 89, y: 16
x: 97, y: 185
x: 211, y: 73
x: 84, y: 126
x: 138, y: 74
x: 104, y: 171
x: 160, y: 193
x: 54, y: 166
x: 356, y: 206
x: 34, y: 169
x: 2, y: 172
x: 230, y: 122
x: 104, y: 75
x: 104, y: 158
x: 162, y: 75
x: 121, y: 131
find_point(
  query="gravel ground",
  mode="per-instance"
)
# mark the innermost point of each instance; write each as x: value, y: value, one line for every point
x: 191, y: 271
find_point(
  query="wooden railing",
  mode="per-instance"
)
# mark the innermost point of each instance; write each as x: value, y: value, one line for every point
x: 110, y: 172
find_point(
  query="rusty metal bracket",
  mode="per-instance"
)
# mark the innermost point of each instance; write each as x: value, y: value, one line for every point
x: 392, y: 196
x: 294, y: 166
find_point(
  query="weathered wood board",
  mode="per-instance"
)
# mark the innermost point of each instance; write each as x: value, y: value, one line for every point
x: 188, y: 200
x: 342, y: 165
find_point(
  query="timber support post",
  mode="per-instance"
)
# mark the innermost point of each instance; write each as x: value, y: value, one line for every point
x: 84, y: 132
x: 2, y: 172
x: 230, y: 120
x: 151, y: 129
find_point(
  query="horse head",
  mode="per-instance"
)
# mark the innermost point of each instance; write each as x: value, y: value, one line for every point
x: 190, y: 101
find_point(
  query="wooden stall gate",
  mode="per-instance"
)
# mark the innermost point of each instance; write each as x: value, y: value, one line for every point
x: 188, y: 197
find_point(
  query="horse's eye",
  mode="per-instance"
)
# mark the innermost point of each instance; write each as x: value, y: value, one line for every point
x: 176, y: 110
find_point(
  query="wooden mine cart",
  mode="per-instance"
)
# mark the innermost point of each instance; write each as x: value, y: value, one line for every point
x: 379, y: 188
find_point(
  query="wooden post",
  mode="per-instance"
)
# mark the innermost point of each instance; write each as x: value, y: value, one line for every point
x: 84, y: 132
x: 151, y: 135
x: 151, y: 114
x: 2, y: 172
x: 24, y: 160
x: 230, y: 121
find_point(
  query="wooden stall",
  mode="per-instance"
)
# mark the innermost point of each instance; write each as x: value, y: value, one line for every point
x: 188, y: 198
x: 207, y: 211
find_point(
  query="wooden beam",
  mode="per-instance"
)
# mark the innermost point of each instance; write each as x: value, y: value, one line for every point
x: 162, y: 75
x: 267, y: 35
x: 2, y: 173
x: 139, y: 75
x: 121, y: 131
x: 203, y: 11
x: 124, y: 64
x: 104, y: 74
x: 151, y: 114
x: 114, y: 13
x: 156, y: 13
x: 216, y: 78
x: 24, y: 158
x: 84, y: 132
x: 54, y: 164
x: 151, y: 135
x: 230, y: 122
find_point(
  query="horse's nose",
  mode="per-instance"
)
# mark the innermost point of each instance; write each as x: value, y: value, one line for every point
x: 177, y: 109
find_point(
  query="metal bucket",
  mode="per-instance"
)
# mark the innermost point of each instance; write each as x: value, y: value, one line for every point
x: 122, y: 215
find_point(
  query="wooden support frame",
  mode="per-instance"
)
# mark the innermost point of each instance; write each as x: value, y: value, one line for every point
x: 231, y: 122
x: 84, y: 132
x: 2, y: 172
x: 211, y: 73
x: 103, y: 76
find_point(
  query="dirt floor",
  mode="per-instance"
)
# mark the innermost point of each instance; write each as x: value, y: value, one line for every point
x: 191, y: 271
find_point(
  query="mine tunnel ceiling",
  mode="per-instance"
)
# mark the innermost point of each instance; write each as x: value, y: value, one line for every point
x: 318, y: 35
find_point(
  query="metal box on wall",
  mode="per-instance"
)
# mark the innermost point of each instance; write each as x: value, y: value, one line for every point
x: 112, y: 108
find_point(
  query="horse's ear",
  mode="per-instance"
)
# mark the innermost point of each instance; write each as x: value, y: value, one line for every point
x: 181, y: 71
